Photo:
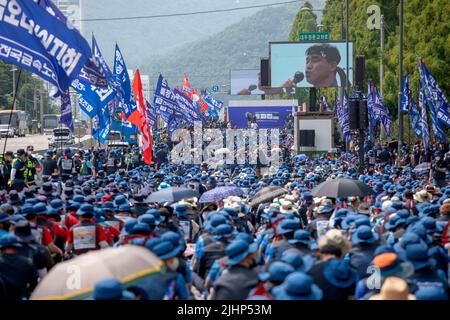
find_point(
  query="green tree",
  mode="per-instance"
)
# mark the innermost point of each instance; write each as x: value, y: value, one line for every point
x: 305, y: 21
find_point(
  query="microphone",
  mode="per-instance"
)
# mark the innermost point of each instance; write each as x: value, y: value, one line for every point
x: 298, y: 77
x: 252, y: 87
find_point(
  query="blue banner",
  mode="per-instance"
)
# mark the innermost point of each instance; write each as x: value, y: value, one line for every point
x: 267, y: 117
x: 424, y: 120
x: 66, y: 111
x: 430, y: 96
x: 35, y: 40
x: 409, y: 105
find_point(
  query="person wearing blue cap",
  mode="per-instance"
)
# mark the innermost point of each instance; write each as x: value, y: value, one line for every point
x: 18, y: 171
x: 364, y: 244
x: 425, y: 273
x: 214, y: 220
x: 168, y: 252
x: 298, y: 286
x: 276, y: 273
x: 19, y: 273
x: 318, y: 226
x: 305, y: 210
x: 240, y: 278
x: 215, y: 250
x: 285, y: 231
x: 86, y: 235
x: 189, y: 228
x: 336, y: 277
x: 302, y: 241
x: 111, y: 289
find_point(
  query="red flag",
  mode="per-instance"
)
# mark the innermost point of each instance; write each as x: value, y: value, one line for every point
x: 203, y: 105
x: 147, y: 141
x: 187, y: 90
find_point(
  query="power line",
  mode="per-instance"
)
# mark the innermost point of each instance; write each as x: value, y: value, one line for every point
x: 190, y: 13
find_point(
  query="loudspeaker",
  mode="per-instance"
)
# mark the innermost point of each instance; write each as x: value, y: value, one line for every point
x: 363, y: 114
x: 307, y: 138
x: 359, y: 72
x: 265, y: 72
x: 313, y: 99
x: 353, y: 114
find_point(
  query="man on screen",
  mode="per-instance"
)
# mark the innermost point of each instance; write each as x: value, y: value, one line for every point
x: 322, y: 62
x: 321, y: 65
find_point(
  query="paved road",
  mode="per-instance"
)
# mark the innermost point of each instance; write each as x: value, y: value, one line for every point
x: 40, y: 142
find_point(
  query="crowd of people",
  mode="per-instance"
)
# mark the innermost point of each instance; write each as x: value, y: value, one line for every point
x: 392, y: 244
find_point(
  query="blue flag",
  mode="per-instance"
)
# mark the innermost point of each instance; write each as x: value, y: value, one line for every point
x: 151, y: 115
x: 435, y: 96
x: 343, y: 115
x: 90, y: 72
x: 424, y: 120
x: 325, y: 105
x: 377, y: 110
x: 409, y: 105
x: 126, y: 102
x: 35, y: 40
x: 429, y: 94
x: 170, y: 103
x: 66, y: 111
x: 92, y: 98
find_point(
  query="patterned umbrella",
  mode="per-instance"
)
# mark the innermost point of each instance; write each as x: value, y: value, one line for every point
x: 171, y: 195
x: 267, y: 194
x: 425, y: 166
x: 220, y: 193
x: 342, y: 188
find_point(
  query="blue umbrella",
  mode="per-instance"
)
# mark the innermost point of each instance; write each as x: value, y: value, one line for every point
x: 220, y: 193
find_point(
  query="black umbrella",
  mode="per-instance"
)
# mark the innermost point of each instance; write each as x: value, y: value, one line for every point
x: 342, y: 188
x: 267, y: 194
x: 171, y: 195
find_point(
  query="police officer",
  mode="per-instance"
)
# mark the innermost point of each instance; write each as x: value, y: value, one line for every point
x: 86, y: 235
x: 66, y: 165
x: 33, y: 167
x: 18, y: 171
x: 6, y: 168
x: 50, y: 166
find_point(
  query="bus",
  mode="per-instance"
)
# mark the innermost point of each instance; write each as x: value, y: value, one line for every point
x: 50, y: 122
x: 17, y: 125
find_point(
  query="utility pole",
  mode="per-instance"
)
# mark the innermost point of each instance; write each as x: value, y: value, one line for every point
x: 381, y: 68
x: 400, y: 83
x: 347, y: 53
x: 381, y: 56
x: 14, y: 85
x: 41, y: 110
